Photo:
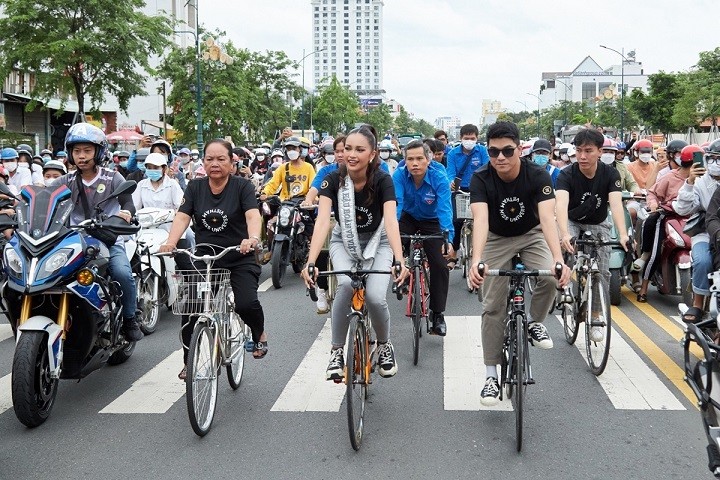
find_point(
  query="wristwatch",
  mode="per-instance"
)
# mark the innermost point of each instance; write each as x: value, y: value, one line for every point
x: 255, y: 237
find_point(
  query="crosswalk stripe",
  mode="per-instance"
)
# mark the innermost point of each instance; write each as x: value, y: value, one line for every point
x: 464, y: 368
x: 661, y: 360
x: 677, y: 320
x: 5, y: 331
x: 628, y: 382
x: 307, y: 390
x: 265, y: 286
x: 154, y: 392
x: 5, y: 393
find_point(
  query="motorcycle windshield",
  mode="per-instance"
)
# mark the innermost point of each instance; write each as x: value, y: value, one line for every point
x: 44, y: 211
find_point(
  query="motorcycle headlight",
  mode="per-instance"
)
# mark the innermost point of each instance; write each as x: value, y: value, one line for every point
x: 54, y: 262
x: 677, y: 238
x: 13, y: 260
x: 284, y: 216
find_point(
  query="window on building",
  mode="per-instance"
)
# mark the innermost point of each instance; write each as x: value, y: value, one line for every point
x: 588, y: 91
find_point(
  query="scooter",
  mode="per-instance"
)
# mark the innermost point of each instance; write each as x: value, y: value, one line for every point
x: 619, y: 267
x: 152, y: 273
x: 673, y: 275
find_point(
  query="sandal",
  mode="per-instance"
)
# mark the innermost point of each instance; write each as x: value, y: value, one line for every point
x: 692, y: 315
x: 452, y: 263
x: 642, y: 297
x: 636, y: 287
x: 183, y: 373
x: 637, y: 265
x: 260, y: 347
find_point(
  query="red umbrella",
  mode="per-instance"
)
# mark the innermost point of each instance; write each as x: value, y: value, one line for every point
x: 124, y: 136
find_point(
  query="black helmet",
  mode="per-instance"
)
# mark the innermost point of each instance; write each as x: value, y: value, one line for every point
x: 674, y: 147
x: 714, y: 147
x: 328, y: 149
x: 541, y: 144
x: 292, y: 141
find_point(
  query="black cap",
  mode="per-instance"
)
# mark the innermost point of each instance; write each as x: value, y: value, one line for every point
x: 541, y: 144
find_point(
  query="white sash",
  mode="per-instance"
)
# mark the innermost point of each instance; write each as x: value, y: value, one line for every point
x: 348, y: 226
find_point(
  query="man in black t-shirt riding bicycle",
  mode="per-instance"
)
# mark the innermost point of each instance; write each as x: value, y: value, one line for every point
x: 513, y: 207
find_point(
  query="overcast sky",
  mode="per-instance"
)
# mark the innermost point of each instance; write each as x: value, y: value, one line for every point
x: 443, y: 57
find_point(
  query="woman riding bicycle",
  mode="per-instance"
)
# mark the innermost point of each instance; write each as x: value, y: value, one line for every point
x: 363, y: 199
x: 224, y: 209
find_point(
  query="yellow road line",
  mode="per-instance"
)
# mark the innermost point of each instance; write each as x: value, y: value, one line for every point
x: 663, y: 322
x: 661, y: 360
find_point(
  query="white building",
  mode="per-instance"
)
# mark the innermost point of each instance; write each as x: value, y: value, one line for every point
x: 589, y: 82
x: 447, y: 124
x: 490, y: 111
x: 349, y: 37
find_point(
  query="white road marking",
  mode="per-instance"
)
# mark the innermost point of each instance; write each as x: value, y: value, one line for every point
x: 5, y: 393
x: 154, y: 392
x: 464, y: 368
x: 307, y: 390
x: 5, y: 331
x: 627, y: 380
x: 265, y: 286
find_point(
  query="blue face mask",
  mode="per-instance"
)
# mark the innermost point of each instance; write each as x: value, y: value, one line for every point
x: 541, y: 160
x: 154, y: 175
x: 123, y: 164
x: 141, y: 166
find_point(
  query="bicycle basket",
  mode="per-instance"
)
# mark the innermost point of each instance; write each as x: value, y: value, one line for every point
x: 192, y: 287
x: 462, y: 206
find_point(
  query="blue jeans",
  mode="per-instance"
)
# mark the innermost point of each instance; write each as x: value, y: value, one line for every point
x: 702, y: 265
x: 121, y: 272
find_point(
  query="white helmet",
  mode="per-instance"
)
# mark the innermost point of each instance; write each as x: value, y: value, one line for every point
x: 385, y: 145
x: 571, y: 151
x: 260, y: 151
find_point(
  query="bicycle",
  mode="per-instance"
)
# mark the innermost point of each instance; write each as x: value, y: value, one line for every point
x: 419, y: 280
x: 515, y: 369
x: 218, y: 338
x: 462, y: 211
x: 577, y: 302
x: 360, y: 357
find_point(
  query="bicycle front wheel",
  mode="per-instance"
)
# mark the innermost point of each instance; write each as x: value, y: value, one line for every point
x: 520, y: 365
x: 201, y: 384
x: 238, y: 333
x: 356, y: 378
x: 417, y: 312
x: 597, y: 326
x: 569, y: 317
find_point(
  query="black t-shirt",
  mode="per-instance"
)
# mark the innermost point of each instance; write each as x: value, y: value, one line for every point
x: 367, y: 216
x: 512, y: 206
x: 606, y: 180
x: 220, y: 219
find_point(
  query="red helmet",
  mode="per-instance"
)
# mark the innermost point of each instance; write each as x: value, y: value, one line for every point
x: 609, y: 144
x: 644, y: 143
x: 687, y: 153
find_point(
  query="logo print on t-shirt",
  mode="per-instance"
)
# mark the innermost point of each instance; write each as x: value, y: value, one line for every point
x: 429, y: 198
x: 512, y: 209
x: 324, y: 184
x: 215, y: 220
x: 295, y: 189
x: 547, y: 190
x: 597, y: 198
x: 617, y: 183
x: 363, y: 217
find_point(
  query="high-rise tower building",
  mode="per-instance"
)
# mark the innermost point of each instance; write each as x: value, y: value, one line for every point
x: 348, y: 38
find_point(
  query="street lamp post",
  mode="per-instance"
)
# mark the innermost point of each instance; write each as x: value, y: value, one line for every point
x: 565, y: 101
x: 538, y: 112
x: 302, y: 113
x: 622, y: 89
x: 526, y: 109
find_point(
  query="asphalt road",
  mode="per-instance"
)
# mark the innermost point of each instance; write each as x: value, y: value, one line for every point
x: 423, y: 423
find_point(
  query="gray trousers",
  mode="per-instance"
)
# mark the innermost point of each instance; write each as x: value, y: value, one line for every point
x: 499, y: 250
x: 601, y: 230
x: 375, y: 291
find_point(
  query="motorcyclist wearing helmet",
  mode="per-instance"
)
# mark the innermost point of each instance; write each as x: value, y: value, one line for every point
x: 305, y: 150
x: 25, y: 161
x: 46, y: 155
x: 540, y: 154
x: 326, y: 154
x: 260, y: 165
x: 53, y: 170
x: 386, y: 149
x: 90, y: 185
x: 644, y: 165
x: 17, y: 178
x: 672, y: 152
x: 694, y: 196
x: 660, y: 199
x: 620, y: 155
x: 122, y: 160
x: 564, y: 157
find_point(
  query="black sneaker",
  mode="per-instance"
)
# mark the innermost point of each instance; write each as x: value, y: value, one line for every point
x: 386, y: 359
x: 131, y: 330
x: 490, y: 395
x: 438, y: 324
x: 539, y: 336
x: 336, y: 367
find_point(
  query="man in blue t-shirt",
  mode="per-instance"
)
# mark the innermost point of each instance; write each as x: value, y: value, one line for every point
x: 540, y: 155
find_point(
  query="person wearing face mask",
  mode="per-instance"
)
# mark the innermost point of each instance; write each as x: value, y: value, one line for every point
x: 25, y: 162
x: 608, y: 157
x: 540, y: 155
x: 53, y: 170
x: 327, y: 155
x: 17, y: 178
x: 260, y: 165
x: 46, y: 155
x: 672, y: 154
x: 462, y: 162
x: 305, y: 150
x: 386, y: 149
x: 659, y: 200
x: 695, y: 196
x: 563, y: 155
x: 157, y: 189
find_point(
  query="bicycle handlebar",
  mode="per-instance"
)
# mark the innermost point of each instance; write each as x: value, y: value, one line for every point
x: 417, y: 237
x: 352, y: 273
x: 205, y: 258
x: 557, y: 273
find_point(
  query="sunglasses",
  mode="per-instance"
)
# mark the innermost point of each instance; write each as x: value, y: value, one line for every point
x: 507, y: 152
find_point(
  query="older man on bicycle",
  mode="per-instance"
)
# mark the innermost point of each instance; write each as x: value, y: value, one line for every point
x: 422, y: 189
x: 513, y: 207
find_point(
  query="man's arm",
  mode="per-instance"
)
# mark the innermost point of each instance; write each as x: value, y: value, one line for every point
x: 618, y: 213
x: 546, y: 212
x: 444, y: 206
x: 399, y: 192
x: 562, y: 200
x: 481, y: 226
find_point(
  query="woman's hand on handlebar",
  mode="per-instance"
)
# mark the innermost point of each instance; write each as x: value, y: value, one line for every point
x: 399, y: 272
x: 308, y: 276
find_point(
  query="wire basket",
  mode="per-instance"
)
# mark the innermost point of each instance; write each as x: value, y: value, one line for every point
x: 192, y: 287
x: 462, y: 206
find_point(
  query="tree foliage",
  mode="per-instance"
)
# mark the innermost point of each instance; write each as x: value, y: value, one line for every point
x: 655, y: 108
x: 337, y: 108
x: 89, y: 48
x: 403, y: 122
x: 380, y: 118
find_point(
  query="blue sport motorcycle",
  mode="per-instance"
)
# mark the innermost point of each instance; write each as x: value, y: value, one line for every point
x: 64, y: 309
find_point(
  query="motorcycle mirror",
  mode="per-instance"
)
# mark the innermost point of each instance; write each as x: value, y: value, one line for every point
x: 6, y: 221
x: 5, y: 190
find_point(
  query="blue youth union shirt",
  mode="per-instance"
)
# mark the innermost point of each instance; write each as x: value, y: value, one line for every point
x: 457, y: 159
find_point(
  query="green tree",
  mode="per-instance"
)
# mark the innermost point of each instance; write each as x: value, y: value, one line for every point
x: 337, y: 108
x: 380, y: 118
x: 403, y: 122
x: 89, y: 48
x: 423, y: 126
x: 700, y: 92
x: 655, y: 109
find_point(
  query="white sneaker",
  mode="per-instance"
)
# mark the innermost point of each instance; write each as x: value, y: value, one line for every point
x: 321, y: 305
x: 597, y: 334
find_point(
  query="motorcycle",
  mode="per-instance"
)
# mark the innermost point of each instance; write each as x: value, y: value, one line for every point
x: 673, y: 275
x: 64, y: 309
x: 619, y: 267
x: 153, y: 274
x: 291, y: 244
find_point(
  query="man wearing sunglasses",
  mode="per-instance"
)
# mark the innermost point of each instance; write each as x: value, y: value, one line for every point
x: 513, y: 207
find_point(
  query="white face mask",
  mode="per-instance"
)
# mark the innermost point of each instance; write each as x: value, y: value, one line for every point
x: 330, y: 158
x: 469, y: 144
x: 259, y: 158
x: 713, y: 169
x: 564, y: 157
x: 607, y: 158
x: 677, y: 160
x: 10, y: 166
x: 645, y: 157
x: 384, y: 154
x: 293, y: 154
x: 48, y: 181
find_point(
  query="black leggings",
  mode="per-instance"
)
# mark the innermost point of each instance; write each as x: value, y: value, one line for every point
x: 653, y: 234
x: 244, y: 278
x: 322, y: 264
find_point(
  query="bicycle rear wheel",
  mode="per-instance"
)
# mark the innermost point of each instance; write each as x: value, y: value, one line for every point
x: 569, y: 314
x: 598, y: 324
x: 201, y: 384
x: 356, y: 378
x: 235, y: 344
x: 520, y: 364
x: 417, y: 313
